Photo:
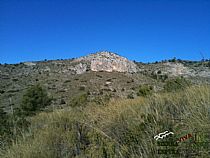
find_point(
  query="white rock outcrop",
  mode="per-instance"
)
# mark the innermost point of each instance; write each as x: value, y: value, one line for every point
x: 106, y: 61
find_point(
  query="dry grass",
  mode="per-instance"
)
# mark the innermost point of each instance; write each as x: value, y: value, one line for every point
x: 123, y: 128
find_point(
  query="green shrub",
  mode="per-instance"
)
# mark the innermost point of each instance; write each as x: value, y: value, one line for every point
x: 208, y: 64
x: 102, y: 99
x: 176, y: 84
x: 34, y: 100
x: 172, y: 60
x: 79, y: 100
x: 6, y: 130
x: 3, y: 122
x: 2, y: 91
x: 82, y: 88
x: 62, y: 101
x: 144, y: 90
x: 130, y: 96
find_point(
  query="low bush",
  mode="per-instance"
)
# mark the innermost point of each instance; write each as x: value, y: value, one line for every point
x: 3, y: 122
x: 34, y: 100
x: 144, y: 90
x: 175, y: 84
x: 208, y: 64
x: 79, y: 100
x: 130, y: 96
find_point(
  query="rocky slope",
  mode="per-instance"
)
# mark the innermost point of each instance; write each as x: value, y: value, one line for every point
x: 103, y: 74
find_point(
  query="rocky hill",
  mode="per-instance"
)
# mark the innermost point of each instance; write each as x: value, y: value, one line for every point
x: 99, y: 75
x: 107, y: 61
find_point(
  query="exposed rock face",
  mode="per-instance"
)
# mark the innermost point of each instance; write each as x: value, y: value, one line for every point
x: 176, y: 69
x: 109, y: 62
x: 80, y: 68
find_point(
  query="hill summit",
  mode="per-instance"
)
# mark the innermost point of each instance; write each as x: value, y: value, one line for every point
x: 107, y: 61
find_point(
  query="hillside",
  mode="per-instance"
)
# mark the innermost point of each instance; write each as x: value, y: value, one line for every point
x: 104, y: 105
x: 99, y: 75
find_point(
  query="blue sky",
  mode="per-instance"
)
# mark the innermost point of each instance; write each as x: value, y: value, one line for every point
x: 144, y: 30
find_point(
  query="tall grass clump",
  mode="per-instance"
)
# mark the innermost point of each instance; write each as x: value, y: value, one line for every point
x: 122, y: 128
